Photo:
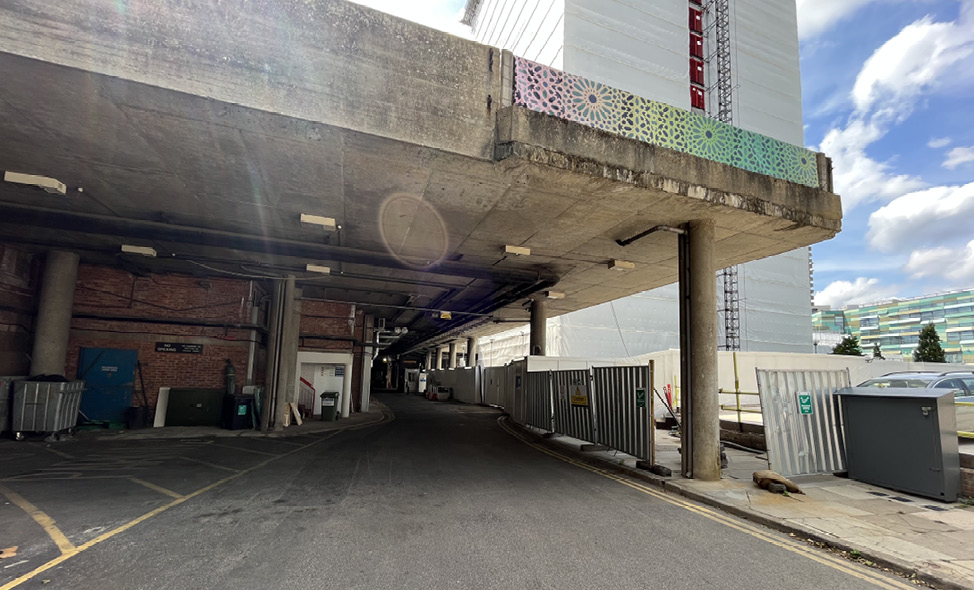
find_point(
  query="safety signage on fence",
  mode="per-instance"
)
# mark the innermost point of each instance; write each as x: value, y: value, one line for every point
x: 578, y: 393
x: 640, y: 398
x: 804, y: 403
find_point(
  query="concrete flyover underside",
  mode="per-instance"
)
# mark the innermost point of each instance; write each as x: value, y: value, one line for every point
x: 206, y: 131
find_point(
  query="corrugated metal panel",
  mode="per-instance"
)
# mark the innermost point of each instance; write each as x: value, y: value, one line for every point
x: 45, y: 406
x: 538, y: 394
x: 802, y: 444
x: 571, y: 418
x: 620, y: 423
x: 494, y: 385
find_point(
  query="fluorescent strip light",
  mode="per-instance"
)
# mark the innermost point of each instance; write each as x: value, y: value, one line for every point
x: 51, y: 185
x: 325, y: 222
x: 621, y: 265
x: 143, y: 250
x: 517, y: 250
x: 318, y: 268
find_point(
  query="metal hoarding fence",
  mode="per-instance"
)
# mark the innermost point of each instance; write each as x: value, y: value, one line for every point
x: 624, y: 408
x: 802, y: 420
x: 573, y: 403
x: 538, y: 397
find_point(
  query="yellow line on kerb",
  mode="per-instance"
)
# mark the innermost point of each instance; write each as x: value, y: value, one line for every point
x: 41, y: 517
x: 752, y: 530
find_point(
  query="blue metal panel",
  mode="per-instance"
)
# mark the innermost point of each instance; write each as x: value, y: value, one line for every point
x: 109, y: 376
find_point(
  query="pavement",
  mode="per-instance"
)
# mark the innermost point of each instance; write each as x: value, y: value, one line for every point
x: 924, y: 540
x: 442, y: 496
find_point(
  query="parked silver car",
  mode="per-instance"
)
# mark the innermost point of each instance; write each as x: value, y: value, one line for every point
x: 962, y: 382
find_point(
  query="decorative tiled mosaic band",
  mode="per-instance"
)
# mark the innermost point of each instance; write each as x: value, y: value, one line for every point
x: 557, y: 93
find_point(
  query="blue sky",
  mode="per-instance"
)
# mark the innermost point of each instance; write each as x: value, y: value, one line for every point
x: 888, y: 91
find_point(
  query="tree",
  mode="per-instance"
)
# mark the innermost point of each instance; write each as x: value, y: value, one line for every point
x: 877, y: 353
x: 849, y: 346
x: 928, y: 348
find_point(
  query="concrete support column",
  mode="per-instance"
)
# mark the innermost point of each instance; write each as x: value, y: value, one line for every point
x: 366, y: 379
x: 274, y: 321
x: 347, y: 391
x: 471, y: 352
x: 539, y: 324
x: 440, y: 352
x: 429, y: 359
x: 453, y: 355
x: 705, y: 404
x: 286, y: 377
x: 54, y: 308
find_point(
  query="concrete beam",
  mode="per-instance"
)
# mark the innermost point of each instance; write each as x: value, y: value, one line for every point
x: 328, y: 61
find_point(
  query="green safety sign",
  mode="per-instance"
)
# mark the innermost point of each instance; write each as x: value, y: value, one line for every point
x: 241, y: 409
x: 804, y: 403
x: 640, y: 398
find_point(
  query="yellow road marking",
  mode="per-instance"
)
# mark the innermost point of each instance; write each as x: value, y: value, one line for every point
x: 61, y: 454
x: 386, y: 417
x: 153, y: 486
x: 208, y: 464
x: 752, y: 530
x: 41, y: 517
x: 245, y: 450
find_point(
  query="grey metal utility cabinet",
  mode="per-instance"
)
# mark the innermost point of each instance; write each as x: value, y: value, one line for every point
x: 903, y: 439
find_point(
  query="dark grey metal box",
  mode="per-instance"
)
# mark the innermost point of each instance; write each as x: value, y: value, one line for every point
x: 903, y: 439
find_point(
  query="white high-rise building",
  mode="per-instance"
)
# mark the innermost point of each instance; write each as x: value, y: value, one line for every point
x: 670, y: 52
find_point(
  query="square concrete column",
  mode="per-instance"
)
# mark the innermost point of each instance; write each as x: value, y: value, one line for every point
x: 539, y: 325
x: 704, y: 401
x: 453, y: 355
x: 288, y: 351
x: 54, y: 308
x: 273, y: 361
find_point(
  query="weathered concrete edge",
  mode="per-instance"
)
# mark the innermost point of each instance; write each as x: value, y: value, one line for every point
x: 547, y: 140
x: 674, y: 487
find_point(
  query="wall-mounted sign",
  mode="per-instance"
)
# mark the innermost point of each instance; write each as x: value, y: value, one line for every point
x: 640, y: 398
x: 578, y: 394
x: 179, y: 347
x: 804, y: 403
x: 339, y: 370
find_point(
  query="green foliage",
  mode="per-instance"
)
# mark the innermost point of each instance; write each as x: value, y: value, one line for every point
x: 929, y: 349
x: 849, y: 347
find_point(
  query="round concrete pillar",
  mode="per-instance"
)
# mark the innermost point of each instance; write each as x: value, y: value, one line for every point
x: 53, y: 326
x: 705, y: 403
x: 471, y: 357
x: 539, y: 324
x: 453, y: 355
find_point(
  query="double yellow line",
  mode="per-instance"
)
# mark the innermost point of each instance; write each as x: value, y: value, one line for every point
x: 752, y: 530
x: 69, y: 550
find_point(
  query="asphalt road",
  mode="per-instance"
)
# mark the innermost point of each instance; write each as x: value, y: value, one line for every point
x: 441, y: 497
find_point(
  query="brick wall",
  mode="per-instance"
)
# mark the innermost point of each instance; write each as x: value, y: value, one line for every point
x: 18, y: 295
x: 166, y: 300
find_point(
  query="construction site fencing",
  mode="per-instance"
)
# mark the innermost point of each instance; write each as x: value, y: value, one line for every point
x: 573, y: 407
x: 540, y: 413
x: 802, y: 420
x: 611, y: 406
x: 623, y: 409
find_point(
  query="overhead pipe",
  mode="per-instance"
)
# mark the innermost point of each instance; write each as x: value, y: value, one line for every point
x: 652, y: 230
x: 59, y: 220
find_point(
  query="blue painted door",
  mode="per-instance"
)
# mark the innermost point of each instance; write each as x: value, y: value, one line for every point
x: 109, y: 376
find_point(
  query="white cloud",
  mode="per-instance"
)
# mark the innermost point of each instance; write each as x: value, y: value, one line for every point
x: 954, y: 264
x: 817, y: 16
x: 863, y: 290
x: 938, y: 215
x: 958, y: 157
x: 439, y: 14
x: 938, y: 142
x: 857, y: 177
x: 913, y: 62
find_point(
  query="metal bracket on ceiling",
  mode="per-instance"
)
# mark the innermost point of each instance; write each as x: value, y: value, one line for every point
x: 652, y: 230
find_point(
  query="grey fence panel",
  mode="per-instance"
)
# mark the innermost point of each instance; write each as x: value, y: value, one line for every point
x: 538, y: 398
x: 809, y: 441
x: 494, y: 380
x: 620, y: 421
x: 516, y: 404
x: 573, y: 403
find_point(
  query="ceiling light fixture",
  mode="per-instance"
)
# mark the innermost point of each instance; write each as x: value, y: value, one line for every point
x: 318, y: 268
x: 51, y: 185
x: 554, y: 295
x: 141, y: 250
x: 621, y: 265
x: 517, y: 250
x: 325, y: 222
